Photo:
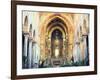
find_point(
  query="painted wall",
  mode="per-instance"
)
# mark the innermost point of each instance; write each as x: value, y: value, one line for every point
x: 5, y: 40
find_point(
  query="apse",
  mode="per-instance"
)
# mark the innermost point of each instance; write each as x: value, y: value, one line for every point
x: 57, y: 43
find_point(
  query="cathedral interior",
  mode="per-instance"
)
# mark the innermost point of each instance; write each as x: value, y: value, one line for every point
x: 54, y: 39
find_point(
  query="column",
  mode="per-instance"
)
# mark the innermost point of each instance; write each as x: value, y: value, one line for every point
x: 34, y: 54
x: 78, y: 52
x: 37, y: 54
x: 85, y: 50
x: 49, y: 46
x: 25, y: 50
x: 64, y: 44
x: 75, y: 53
x: 32, y: 57
x: 30, y: 53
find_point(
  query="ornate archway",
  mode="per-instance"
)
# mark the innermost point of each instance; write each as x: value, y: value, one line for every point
x: 61, y: 23
x: 56, y: 38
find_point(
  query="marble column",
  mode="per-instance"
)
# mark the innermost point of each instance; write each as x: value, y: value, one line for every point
x: 35, y: 50
x: 75, y: 53
x: 37, y: 54
x: 79, y: 53
x: 25, y: 49
x: 85, y: 49
x: 32, y: 57
x: 30, y: 53
x: 34, y: 54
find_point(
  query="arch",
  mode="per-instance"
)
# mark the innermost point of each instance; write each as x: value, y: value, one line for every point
x: 60, y: 29
x: 68, y: 27
x: 26, y: 21
x: 66, y: 19
x: 57, y: 22
x: 25, y: 25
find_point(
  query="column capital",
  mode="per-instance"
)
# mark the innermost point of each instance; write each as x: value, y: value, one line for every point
x: 25, y: 33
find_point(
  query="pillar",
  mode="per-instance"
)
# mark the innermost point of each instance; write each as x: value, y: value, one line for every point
x: 30, y: 53
x: 25, y: 50
x: 85, y: 50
